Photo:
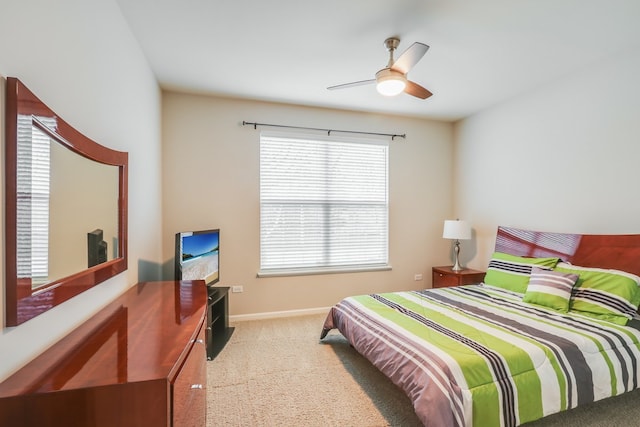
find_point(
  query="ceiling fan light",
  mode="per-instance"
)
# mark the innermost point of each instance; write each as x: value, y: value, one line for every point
x: 391, y: 87
x: 390, y: 82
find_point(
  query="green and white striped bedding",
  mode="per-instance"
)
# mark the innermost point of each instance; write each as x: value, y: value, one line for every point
x: 477, y: 355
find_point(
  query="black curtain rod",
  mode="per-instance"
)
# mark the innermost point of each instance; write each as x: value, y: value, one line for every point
x: 392, y: 135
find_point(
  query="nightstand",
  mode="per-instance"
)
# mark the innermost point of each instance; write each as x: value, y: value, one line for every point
x: 444, y: 276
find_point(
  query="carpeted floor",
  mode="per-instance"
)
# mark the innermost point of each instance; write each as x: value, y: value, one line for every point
x: 277, y: 373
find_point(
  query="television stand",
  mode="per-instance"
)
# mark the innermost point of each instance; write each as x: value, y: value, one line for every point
x: 218, y: 331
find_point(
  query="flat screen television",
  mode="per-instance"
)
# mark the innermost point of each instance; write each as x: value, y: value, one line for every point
x: 198, y: 255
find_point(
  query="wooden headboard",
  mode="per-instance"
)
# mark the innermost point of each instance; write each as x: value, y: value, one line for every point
x: 618, y: 251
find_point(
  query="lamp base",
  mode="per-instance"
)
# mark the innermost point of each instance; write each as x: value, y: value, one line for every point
x: 456, y: 251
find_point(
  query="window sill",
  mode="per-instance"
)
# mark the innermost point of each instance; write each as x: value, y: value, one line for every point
x: 310, y: 272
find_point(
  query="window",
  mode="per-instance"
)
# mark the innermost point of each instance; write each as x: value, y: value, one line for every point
x: 323, y: 204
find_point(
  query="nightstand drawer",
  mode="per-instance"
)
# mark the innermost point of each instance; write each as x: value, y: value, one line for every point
x: 441, y: 280
x: 444, y: 277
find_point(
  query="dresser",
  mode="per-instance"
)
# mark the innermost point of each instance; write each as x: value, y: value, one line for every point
x: 140, y: 361
x: 444, y: 276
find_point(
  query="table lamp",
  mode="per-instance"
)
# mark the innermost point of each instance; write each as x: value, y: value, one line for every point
x: 458, y: 230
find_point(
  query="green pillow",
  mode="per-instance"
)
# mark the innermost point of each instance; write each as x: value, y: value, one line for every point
x: 603, y: 294
x: 550, y: 288
x: 512, y: 272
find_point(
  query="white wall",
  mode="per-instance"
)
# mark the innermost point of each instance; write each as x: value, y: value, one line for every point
x: 211, y: 179
x: 81, y: 59
x: 564, y: 158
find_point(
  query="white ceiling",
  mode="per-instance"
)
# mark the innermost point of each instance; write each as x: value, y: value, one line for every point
x: 481, y: 52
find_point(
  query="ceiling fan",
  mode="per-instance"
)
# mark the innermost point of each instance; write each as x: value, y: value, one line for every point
x: 392, y: 79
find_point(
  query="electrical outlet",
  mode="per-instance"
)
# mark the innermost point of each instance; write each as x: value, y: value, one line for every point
x: 237, y: 289
x: 417, y: 277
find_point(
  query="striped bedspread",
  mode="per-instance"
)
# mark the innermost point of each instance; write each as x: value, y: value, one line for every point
x: 478, y: 356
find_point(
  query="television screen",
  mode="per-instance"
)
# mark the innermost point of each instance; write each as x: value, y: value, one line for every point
x: 198, y: 255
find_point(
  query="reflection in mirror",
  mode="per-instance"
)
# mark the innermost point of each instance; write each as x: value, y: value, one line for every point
x: 32, y: 222
x: 78, y: 207
x: 66, y: 205
x: 56, y: 209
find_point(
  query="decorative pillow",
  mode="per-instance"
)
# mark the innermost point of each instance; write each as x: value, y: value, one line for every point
x: 550, y: 288
x: 609, y: 295
x: 512, y: 272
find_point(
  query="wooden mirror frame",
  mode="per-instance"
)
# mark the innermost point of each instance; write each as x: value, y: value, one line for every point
x: 21, y: 301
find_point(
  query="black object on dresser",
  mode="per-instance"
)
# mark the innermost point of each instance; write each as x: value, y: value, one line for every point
x: 218, y: 331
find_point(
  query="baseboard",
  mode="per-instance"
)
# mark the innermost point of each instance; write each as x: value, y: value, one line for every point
x: 276, y: 314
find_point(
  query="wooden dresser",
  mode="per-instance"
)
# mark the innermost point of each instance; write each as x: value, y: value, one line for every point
x: 140, y: 361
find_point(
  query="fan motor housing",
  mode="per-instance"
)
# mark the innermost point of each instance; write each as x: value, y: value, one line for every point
x: 388, y: 73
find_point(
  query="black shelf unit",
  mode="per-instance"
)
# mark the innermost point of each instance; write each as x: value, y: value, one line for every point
x: 218, y: 331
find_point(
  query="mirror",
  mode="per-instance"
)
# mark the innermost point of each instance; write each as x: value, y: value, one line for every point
x: 66, y: 205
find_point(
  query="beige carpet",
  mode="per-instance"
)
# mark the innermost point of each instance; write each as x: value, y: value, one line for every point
x: 277, y: 373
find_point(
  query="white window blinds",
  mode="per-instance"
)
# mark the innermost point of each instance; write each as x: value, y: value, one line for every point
x: 323, y: 203
x: 33, y: 193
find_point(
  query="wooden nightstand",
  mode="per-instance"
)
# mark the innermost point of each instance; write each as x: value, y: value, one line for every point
x: 444, y: 277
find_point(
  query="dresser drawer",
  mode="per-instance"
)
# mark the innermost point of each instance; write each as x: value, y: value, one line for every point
x: 190, y: 387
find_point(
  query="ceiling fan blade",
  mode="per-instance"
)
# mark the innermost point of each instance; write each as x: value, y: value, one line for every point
x: 352, y: 84
x: 416, y: 90
x: 410, y: 57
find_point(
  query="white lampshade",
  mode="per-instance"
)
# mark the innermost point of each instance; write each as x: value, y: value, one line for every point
x: 456, y: 229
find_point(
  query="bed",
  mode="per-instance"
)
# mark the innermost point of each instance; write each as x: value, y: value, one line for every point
x: 554, y: 325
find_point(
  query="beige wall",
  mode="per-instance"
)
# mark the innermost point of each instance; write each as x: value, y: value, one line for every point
x: 78, y: 206
x: 564, y: 158
x: 210, y: 180
x: 81, y: 59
